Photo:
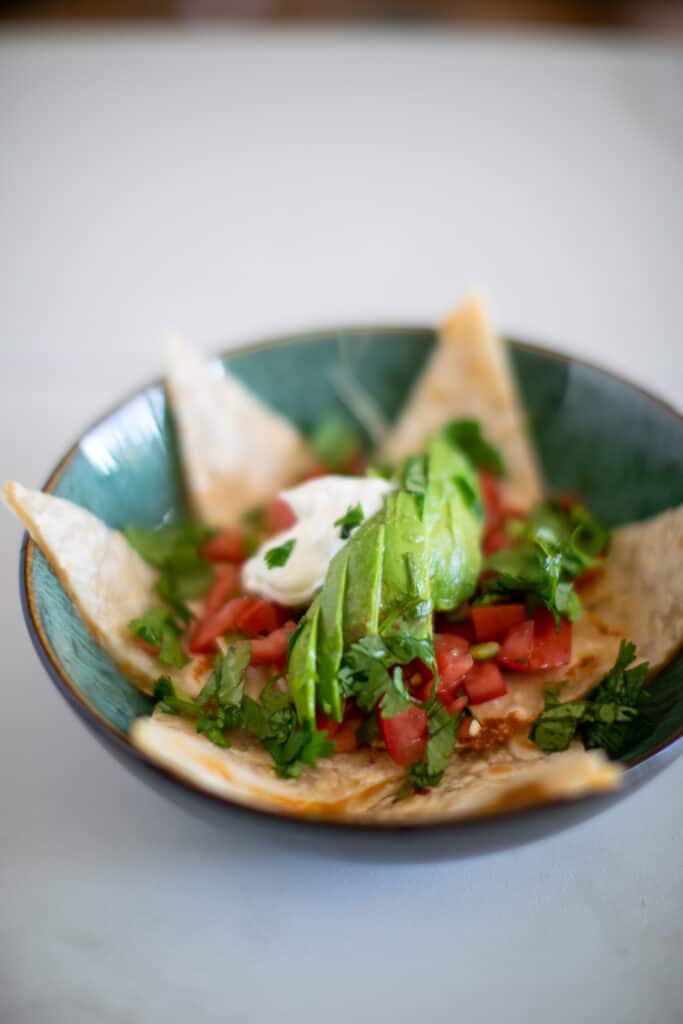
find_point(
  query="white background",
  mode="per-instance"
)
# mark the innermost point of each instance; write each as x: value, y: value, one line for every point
x: 230, y: 185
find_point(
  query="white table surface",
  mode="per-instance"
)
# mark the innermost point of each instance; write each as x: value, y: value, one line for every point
x: 230, y: 185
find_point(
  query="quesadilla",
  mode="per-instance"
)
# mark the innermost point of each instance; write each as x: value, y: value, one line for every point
x: 439, y: 644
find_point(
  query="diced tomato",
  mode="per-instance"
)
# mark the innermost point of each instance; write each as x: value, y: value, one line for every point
x: 516, y: 649
x: 496, y: 540
x: 453, y: 663
x: 258, y: 616
x: 484, y: 682
x: 491, y: 498
x: 150, y: 648
x: 405, y: 735
x: 345, y: 739
x: 552, y: 645
x: 227, y: 546
x: 271, y: 649
x: 454, y: 707
x: 225, y: 586
x: 206, y: 630
x: 537, y: 644
x: 279, y: 516
x: 330, y: 726
x: 493, y: 621
x: 418, y: 678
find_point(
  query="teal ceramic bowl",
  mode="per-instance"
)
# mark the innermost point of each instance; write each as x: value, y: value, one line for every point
x: 596, y: 435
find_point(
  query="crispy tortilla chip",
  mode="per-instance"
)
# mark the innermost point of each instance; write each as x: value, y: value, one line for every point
x: 107, y: 581
x: 638, y: 597
x: 362, y: 786
x: 236, y: 452
x: 468, y: 376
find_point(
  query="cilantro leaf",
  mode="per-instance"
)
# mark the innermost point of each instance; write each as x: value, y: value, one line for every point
x: 468, y: 437
x: 610, y: 717
x: 395, y: 698
x: 414, y: 479
x: 273, y: 721
x: 175, y: 551
x: 368, y: 672
x: 223, y: 704
x: 277, y: 557
x: 352, y: 518
x: 158, y: 627
x: 336, y: 442
x: 169, y: 701
x: 555, y: 546
x: 442, y: 729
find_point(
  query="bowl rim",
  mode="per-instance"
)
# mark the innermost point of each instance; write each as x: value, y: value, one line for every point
x: 112, y: 735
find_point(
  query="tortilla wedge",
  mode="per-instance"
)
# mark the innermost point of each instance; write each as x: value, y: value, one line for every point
x: 468, y: 376
x: 361, y: 787
x: 236, y: 452
x: 105, y: 578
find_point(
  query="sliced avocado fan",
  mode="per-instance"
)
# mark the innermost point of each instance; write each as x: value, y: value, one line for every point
x: 419, y: 554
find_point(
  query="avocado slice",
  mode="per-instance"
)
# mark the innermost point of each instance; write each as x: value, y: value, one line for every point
x: 364, y: 580
x: 302, y: 666
x: 406, y: 589
x: 331, y: 634
x: 454, y: 523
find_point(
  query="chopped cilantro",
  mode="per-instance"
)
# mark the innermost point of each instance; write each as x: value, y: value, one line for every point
x: 610, y: 717
x: 175, y: 551
x: 223, y: 705
x: 277, y: 557
x: 442, y: 729
x: 468, y: 437
x: 159, y: 627
x: 352, y: 518
x: 555, y: 546
x: 368, y: 672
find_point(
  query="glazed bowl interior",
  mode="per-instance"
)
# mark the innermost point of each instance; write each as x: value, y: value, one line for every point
x: 596, y: 435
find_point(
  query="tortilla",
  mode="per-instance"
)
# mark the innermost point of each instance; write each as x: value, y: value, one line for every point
x: 361, y: 787
x: 107, y: 581
x: 236, y: 452
x: 469, y: 376
x: 637, y: 597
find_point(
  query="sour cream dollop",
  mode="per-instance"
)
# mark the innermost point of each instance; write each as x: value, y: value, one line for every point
x: 317, y: 504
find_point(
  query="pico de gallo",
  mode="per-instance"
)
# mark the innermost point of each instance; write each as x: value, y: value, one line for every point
x: 376, y: 607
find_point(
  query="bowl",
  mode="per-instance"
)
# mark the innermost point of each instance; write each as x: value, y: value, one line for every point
x: 597, y: 435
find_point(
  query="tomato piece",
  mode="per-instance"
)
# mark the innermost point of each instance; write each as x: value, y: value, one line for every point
x: 225, y: 586
x: 271, y: 649
x: 345, y: 739
x: 484, y: 682
x: 206, y: 630
x: 552, y: 645
x: 227, y: 546
x: 258, y: 616
x: 405, y: 735
x: 458, y: 704
x: 152, y: 649
x: 493, y: 621
x: 496, y: 540
x: 330, y: 726
x: 279, y: 516
x: 517, y: 647
x: 453, y: 663
x: 491, y: 498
